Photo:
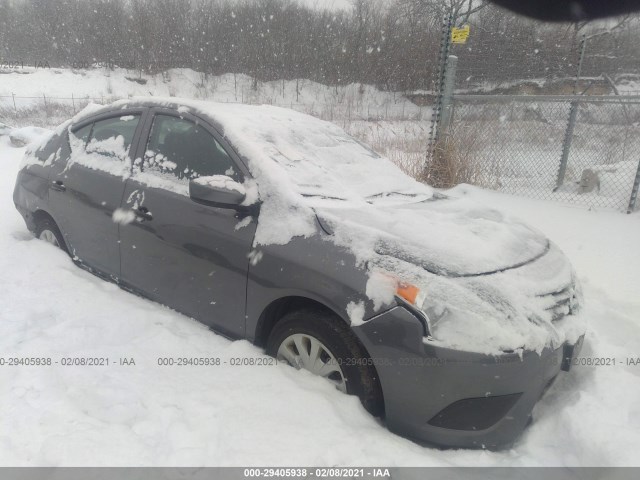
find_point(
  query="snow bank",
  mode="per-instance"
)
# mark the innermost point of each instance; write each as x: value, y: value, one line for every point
x: 5, y: 129
x: 23, y: 136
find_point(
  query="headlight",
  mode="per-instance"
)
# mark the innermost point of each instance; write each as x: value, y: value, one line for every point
x: 384, y: 285
x: 416, y: 297
x: 430, y: 309
x: 411, y: 293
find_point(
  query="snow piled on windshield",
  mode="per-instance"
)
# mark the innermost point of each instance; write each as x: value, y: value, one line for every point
x: 319, y: 159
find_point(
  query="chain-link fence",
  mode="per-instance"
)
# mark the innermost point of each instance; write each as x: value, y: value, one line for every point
x: 575, y: 149
x: 547, y: 112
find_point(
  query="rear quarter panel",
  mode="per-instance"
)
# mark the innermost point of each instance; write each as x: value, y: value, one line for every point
x: 31, y: 191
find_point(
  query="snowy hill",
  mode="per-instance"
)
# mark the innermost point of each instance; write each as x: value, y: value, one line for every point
x: 32, y: 86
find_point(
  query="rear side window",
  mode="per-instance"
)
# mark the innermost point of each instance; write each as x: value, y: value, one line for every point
x: 185, y: 150
x: 112, y: 136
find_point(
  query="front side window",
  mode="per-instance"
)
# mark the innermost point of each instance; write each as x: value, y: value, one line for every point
x: 83, y: 133
x: 185, y: 150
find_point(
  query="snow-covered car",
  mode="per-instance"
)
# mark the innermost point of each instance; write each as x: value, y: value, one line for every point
x: 447, y: 319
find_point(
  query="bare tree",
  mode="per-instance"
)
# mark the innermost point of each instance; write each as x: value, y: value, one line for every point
x: 394, y: 45
x: 460, y: 10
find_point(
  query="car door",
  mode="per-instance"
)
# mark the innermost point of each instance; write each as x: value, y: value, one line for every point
x: 189, y: 256
x: 87, y: 184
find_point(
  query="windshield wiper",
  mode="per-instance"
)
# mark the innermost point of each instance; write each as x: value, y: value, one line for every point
x: 323, y: 197
x: 388, y: 194
x: 435, y: 196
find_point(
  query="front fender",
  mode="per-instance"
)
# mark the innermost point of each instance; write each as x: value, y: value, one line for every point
x: 312, y: 268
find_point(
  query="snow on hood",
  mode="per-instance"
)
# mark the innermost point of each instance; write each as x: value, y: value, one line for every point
x: 511, y: 310
x: 489, y: 282
x: 452, y: 237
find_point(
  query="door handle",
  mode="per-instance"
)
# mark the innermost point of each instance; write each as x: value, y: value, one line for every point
x: 143, y: 214
x: 58, y: 185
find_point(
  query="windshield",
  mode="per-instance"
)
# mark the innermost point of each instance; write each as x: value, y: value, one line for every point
x: 322, y: 162
x: 327, y: 164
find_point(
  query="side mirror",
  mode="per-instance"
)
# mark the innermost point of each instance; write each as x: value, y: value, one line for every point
x: 217, y: 191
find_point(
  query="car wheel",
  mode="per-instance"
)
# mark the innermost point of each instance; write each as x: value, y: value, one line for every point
x: 48, y: 231
x: 325, y: 345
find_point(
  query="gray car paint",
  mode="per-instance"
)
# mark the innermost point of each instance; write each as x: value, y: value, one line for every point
x: 191, y: 257
x: 176, y: 252
x: 82, y: 201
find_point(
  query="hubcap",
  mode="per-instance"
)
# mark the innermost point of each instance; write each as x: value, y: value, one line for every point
x: 304, y: 351
x: 49, y: 237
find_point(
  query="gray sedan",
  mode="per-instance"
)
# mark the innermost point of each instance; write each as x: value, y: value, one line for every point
x: 445, y: 318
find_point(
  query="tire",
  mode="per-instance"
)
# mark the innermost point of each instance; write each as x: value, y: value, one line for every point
x: 298, y: 329
x: 47, y: 230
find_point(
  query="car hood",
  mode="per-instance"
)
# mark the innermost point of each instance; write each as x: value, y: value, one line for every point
x: 446, y: 236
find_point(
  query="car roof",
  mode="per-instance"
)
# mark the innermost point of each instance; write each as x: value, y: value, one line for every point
x: 215, y: 113
x: 198, y: 107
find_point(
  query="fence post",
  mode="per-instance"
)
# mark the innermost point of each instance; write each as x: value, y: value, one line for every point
x: 583, y: 47
x: 566, y: 144
x: 573, y: 115
x: 14, y: 102
x: 447, y: 97
x: 445, y: 44
x: 634, y: 191
x: 73, y: 101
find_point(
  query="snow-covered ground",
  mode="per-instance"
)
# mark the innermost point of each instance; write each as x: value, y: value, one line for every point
x: 146, y: 414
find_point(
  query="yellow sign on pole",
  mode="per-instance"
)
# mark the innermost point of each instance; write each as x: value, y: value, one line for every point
x: 460, y: 35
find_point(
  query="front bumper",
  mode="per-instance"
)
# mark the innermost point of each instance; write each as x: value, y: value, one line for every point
x: 453, y: 398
